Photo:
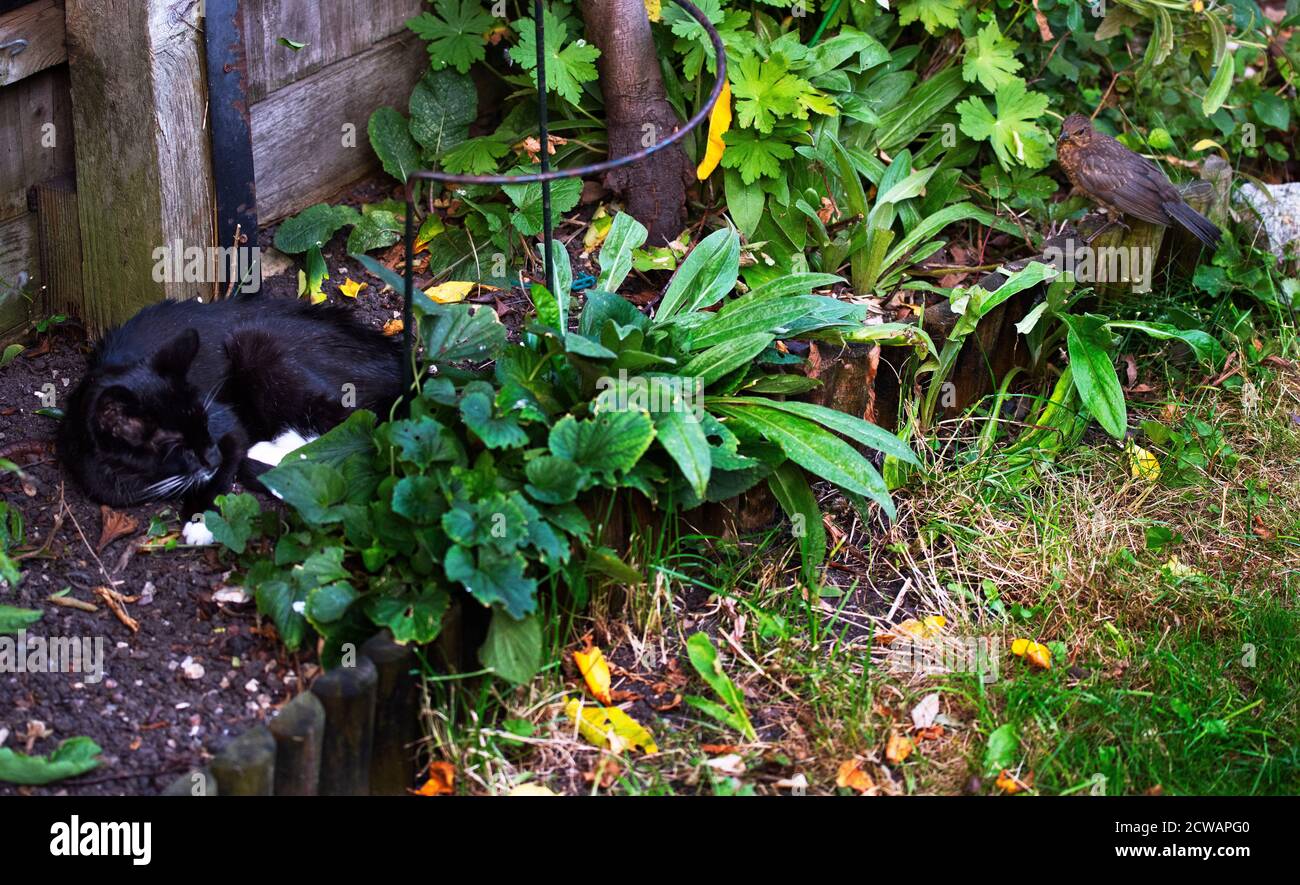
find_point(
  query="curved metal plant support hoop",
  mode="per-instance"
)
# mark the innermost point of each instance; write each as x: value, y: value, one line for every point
x: 547, y: 175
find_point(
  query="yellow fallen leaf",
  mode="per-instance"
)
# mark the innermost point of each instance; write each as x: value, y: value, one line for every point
x: 609, y: 727
x: 595, y: 670
x: 450, y: 292
x: 597, y: 230
x: 531, y: 790
x: 719, y: 123
x: 1176, y: 569
x: 898, y: 748
x: 654, y: 9
x: 351, y: 287
x: 926, y: 629
x: 852, y: 776
x: 429, y: 228
x: 442, y: 777
x: 1143, y: 464
x: 1034, y: 652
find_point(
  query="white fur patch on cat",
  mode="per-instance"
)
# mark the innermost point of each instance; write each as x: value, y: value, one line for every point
x: 196, y: 533
x: 273, y: 452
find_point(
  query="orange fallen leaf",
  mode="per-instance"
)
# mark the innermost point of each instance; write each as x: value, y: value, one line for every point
x: 442, y: 777
x: 116, y: 525
x: 394, y: 327
x: 1010, y: 784
x: 899, y: 748
x: 595, y: 671
x: 929, y: 733
x: 719, y: 749
x: 851, y: 775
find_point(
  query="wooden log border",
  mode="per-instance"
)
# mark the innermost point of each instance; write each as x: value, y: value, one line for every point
x: 342, y: 737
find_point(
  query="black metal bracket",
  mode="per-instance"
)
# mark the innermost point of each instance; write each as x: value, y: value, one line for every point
x: 232, y: 132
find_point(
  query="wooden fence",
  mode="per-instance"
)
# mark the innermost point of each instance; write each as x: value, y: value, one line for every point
x: 106, y: 147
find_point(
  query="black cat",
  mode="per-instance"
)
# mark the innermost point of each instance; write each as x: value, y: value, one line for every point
x: 173, y: 399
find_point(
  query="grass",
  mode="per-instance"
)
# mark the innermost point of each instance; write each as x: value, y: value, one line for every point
x: 1170, y: 607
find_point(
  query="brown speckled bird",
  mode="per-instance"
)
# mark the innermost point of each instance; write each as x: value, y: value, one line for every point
x: 1124, y: 183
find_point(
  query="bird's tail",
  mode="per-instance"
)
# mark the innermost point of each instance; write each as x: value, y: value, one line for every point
x: 1197, y: 224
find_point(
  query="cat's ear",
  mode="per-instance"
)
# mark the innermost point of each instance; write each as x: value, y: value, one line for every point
x: 175, y: 357
x: 115, y: 415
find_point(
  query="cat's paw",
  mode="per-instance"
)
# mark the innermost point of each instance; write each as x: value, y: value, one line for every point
x: 196, y: 533
x: 274, y: 451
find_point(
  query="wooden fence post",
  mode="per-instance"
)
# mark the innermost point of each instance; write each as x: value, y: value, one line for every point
x: 348, y: 695
x: 144, y: 178
x: 397, y: 712
x: 299, y: 733
x: 246, y: 767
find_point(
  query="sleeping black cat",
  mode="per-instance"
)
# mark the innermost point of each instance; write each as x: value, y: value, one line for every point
x: 173, y: 399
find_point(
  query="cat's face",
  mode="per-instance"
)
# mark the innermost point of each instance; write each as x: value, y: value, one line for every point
x: 151, y: 425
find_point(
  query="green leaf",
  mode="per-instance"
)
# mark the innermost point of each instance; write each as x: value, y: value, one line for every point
x: 1219, y: 87
x: 1013, y: 134
x: 376, y: 230
x: 455, y: 33
x: 990, y: 58
x: 493, y: 577
x: 390, y: 136
x: 477, y: 409
x: 477, y: 156
x: 412, y: 618
x: 513, y: 648
x: 313, y: 226
x: 711, y: 364
x: 422, y: 441
x: 279, y: 599
x: 625, y: 235
x: 764, y: 90
x: 790, y: 488
x: 704, y: 658
x: 815, y: 449
x: 15, y: 620
x: 706, y: 276
x: 744, y: 203
x: 1089, y: 346
x: 314, y: 490
x: 754, y: 157
x: 329, y: 603
x: 1003, y: 745
x: 567, y: 67
x: 678, y: 430
x: 851, y: 426
x: 936, y: 15
x: 1206, y: 347
x: 443, y: 104
x: 458, y: 333
x: 553, y: 480
x: 72, y: 757
x: 607, y: 442
x: 527, y: 217
x: 234, y: 525
x: 419, y: 499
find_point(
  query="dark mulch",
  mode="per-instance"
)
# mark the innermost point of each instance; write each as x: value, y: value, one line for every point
x: 151, y: 717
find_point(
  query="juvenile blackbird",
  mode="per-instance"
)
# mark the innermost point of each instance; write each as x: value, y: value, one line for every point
x: 1124, y: 183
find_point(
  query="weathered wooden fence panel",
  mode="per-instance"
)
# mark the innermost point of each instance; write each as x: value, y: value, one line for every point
x: 334, y: 30
x: 309, y: 138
